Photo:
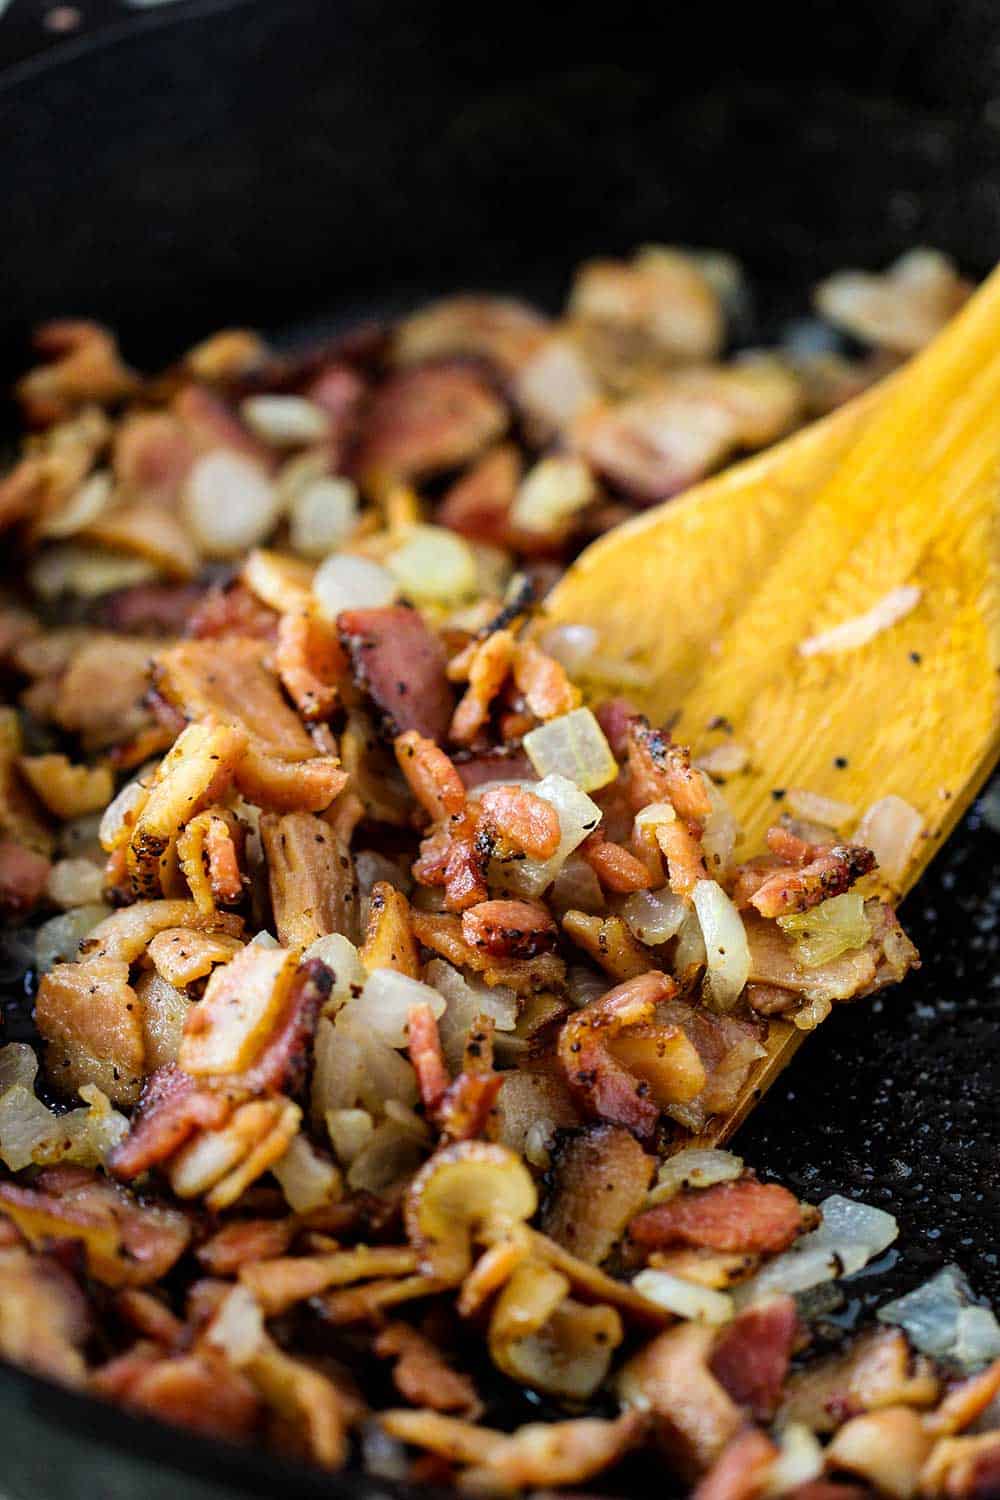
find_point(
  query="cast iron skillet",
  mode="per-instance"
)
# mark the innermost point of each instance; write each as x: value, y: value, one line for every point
x: 293, y: 163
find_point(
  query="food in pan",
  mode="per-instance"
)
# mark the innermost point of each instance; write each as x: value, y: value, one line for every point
x: 386, y: 968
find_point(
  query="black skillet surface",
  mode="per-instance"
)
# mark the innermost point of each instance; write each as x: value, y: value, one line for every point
x: 291, y: 162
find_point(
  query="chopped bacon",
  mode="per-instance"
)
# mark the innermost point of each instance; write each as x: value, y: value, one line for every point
x: 244, y: 1241
x: 456, y: 857
x: 509, y: 929
x: 228, y: 610
x: 310, y: 663
x: 478, y: 504
x: 681, y: 843
x: 660, y: 771
x: 525, y: 822
x: 743, y: 1216
x: 152, y: 455
x: 547, y: 689
x: 468, y: 1103
x: 210, y: 423
x: 282, y: 1065
x: 427, y: 419
x: 741, y: 1472
x: 339, y: 391
x: 171, y: 1108
x: 430, y: 775
x: 399, y: 662
x: 152, y: 608
x: 500, y: 764
x: 752, y: 1356
x: 602, y: 1084
x: 82, y: 364
x: 23, y: 875
x: 615, y: 867
x: 485, y: 665
x: 832, y: 873
x: 424, y: 1046
x: 422, y: 1375
x: 149, y: 1316
x: 197, y: 1391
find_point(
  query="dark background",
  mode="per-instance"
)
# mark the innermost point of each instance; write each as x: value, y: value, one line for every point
x: 291, y: 163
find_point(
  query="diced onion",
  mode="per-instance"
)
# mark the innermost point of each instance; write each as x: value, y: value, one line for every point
x: 83, y: 507
x: 120, y: 813
x: 386, y: 1001
x: 285, y: 421
x: 576, y: 888
x: 322, y: 516
x: 57, y: 941
x: 726, y: 948
x: 574, y: 745
x: 727, y: 759
x: 465, y: 1000
x: 890, y: 828
x: 578, y: 817
x: 800, y: 1459
x: 349, y: 1130
x: 649, y: 818
x: 552, y: 493
x: 73, y: 883
x: 690, y: 952
x: 347, y: 582
x: 571, y: 645
x: 697, y: 1167
x: 264, y: 939
x: 940, y: 1318
x: 826, y: 931
x: 829, y: 811
x: 861, y: 629
x: 87, y: 571
x: 229, y: 504
x: 850, y: 1235
x: 342, y: 959
x: 392, y: 1154
x: 434, y: 566
x: 306, y: 1178
x: 654, y: 916
x: 719, y: 835
x: 584, y: 985
x: 385, y: 1074
x: 687, y: 1299
x: 237, y: 1327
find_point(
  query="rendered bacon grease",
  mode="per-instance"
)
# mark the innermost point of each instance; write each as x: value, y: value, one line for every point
x: 387, y: 968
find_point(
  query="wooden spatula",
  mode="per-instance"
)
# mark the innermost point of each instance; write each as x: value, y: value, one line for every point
x: 714, y: 593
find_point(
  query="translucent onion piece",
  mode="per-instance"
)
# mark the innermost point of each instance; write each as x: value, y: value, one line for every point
x: 690, y: 951
x: 699, y: 1304
x: 73, y: 883
x: 578, y: 817
x: 347, y: 582
x: 720, y: 833
x: 285, y: 421
x: 392, y: 1155
x: 32, y: 1134
x: 322, y: 516
x: 726, y: 948
x: 238, y: 1326
x: 726, y: 759
x: 940, y: 1319
x: 818, y: 809
x: 87, y: 571
x: 571, y: 645
x: 82, y: 508
x: 891, y: 828
x: 861, y: 629
x: 551, y: 494
x: 654, y: 916
x: 584, y: 984
x: 850, y: 1235
x: 229, y: 504
x: 576, y: 888
x: 649, y: 818
x: 386, y: 1001
x: 465, y: 1000
x: 120, y: 814
x: 573, y: 745
x: 342, y: 959
x: 826, y: 931
x: 435, y: 566
x: 800, y: 1459
x: 385, y: 1074
x: 306, y: 1178
x: 697, y: 1167
x: 349, y: 1130
x: 58, y: 939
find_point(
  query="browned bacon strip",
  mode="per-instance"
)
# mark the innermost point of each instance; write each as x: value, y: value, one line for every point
x: 741, y: 1216
x: 831, y: 873
x: 752, y: 1356
x: 400, y: 664
x: 171, y: 1108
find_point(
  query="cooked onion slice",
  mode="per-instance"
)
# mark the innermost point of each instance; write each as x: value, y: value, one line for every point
x: 861, y: 629
x: 698, y: 1167
x: 687, y: 1299
x: 573, y: 745
x: 940, y: 1318
x: 726, y: 947
x: 834, y: 927
x: 347, y: 582
x: 890, y: 828
x: 434, y: 566
x: 654, y: 916
x: 386, y: 1001
x: 850, y: 1235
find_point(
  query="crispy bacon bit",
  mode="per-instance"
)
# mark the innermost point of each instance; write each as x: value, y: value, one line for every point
x: 601, y: 1179
x: 509, y: 929
x: 614, y: 866
x: 431, y: 776
x: 610, y: 942
x: 230, y: 679
x: 244, y: 1241
x: 874, y: 1372
x: 525, y: 822
x: 210, y: 424
x: 741, y: 1216
x: 547, y: 690
x: 740, y: 1472
x: 468, y: 1104
x: 150, y: 1317
x: 834, y: 871
x: 310, y: 663
x: 171, y: 1109
x: 197, y: 1390
x: 681, y: 843
x: 389, y: 941
x: 457, y: 857
x: 424, y: 1046
x: 90, y: 1018
x: 151, y: 457
x: 23, y: 876
x: 695, y: 1417
x: 400, y: 664
x: 478, y: 504
x: 152, y: 608
x: 484, y: 665
x: 231, y: 610
x: 602, y: 1084
x: 660, y: 771
x: 311, y: 875
x: 426, y: 420
x: 208, y: 851
x: 100, y: 696
x: 181, y: 955
x: 423, y: 1376
x: 752, y: 1356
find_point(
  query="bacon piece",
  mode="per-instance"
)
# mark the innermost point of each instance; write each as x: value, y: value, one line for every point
x: 616, y: 868
x: 525, y: 822
x: 485, y: 667
x: 660, y: 771
x: 101, y: 695
x: 152, y: 608
x: 424, y: 1046
x: 681, y: 843
x: 283, y: 1064
x: 740, y: 1473
x: 547, y: 689
x: 23, y: 874
x: 425, y: 420
x: 422, y: 1375
x: 339, y: 391
x: 243, y: 1242
x: 456, y: 857
x: 151, y: 457
x: 509, y: 929
x: 601, y: 1179
x: 90, y: 1019
x: 695, y: 1418
x: 211, y: 423
x: 231, y: 681
x: 466, y: 1107
x: 741, y: 1216
x: 752, y: 1356
x: 478, y: 504
x: 45, y: 1314
x: 150, y: 1317
x: 311, y: 876
x: 500, y: 764
x: 832, y: 873
x: 601, y: 1083
x: 442, y: 933
x: 172, y: 1107
x: 400, y: 663
x: 310, y: 663
x: 231, y: 610
x: 430, y: 775
x: 197, y: 1391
